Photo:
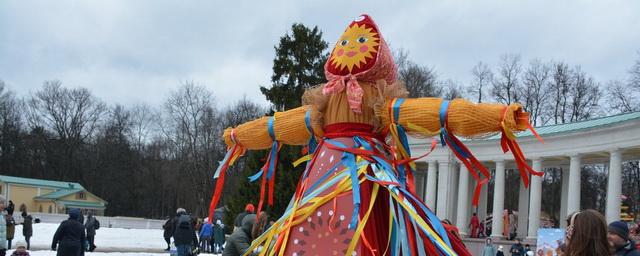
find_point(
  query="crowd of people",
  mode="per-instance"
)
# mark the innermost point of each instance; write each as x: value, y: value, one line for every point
x: 587, y: 234
x: 73, y: 237
x: 7, y: 229
x: 191, y: 236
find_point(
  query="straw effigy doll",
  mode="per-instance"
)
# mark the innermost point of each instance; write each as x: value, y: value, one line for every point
x: 356, y: 195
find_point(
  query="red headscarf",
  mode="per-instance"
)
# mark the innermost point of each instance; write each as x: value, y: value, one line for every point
x: 361, y: 54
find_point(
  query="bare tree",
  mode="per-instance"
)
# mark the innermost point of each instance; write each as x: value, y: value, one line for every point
x: 242, y: 111
x: 482, y: 77
x: 190, y: 124
x: 505, y: 85
x: 72, y: 115
x: 560, y: 86
x: 451, y: 90
x: 635, y: 73
x: 585, y: 96
x: 622, y: 97
x: 144, y: 120
x: 421, y: 81
x: 10, y: 128
x: 535, y: 90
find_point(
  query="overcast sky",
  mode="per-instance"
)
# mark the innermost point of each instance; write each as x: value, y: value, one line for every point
x: 138, y: 51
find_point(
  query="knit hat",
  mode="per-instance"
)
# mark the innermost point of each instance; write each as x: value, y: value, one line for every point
x: 74, y: 214
x: 361, y: 54
x: 21, y: 244
x: 619, y: 228
x: 249, y: 208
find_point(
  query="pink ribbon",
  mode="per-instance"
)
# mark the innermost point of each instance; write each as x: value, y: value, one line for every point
x: 354, y: 92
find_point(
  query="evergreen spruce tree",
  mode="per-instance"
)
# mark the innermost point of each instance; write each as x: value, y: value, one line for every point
x: 298, y: 65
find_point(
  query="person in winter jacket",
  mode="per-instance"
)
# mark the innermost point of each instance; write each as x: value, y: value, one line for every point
x: 489, y: 249
x: 240, y: 240
x: 168, y: 232
x: 618, y: 235
x: 11, y: 229
x: 3, y: 227
x: 20, y: 250
x: 27, y: 228
x: 248, y: 209
x: 90, y: 225
x: 206, y: 231
x: 10, y: 208
x: 184, y: 234
x: 500, y: 251
x: 70, y: 238
x: 218, y: 236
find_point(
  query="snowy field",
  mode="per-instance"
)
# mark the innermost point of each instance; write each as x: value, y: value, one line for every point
x: 109, y: 241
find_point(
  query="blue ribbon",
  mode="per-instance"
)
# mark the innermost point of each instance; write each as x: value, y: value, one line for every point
x: 313, y: 144
x: 445, y: 137
x: 272, y: 153
x: 444, y: 108
x: 396, y: 109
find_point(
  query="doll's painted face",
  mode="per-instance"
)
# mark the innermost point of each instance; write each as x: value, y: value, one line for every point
x: 357, y: 48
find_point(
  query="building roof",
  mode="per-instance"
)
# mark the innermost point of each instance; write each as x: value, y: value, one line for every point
x: 579, y: 126
x: 41, y: 183
x: 82, y: 204
x: 59, y: 194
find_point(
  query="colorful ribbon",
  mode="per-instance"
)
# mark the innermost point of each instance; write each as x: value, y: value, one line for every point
x: 268, y: 170
x: 233, y: 153
x: 462, y: 152
x: 509, y: 143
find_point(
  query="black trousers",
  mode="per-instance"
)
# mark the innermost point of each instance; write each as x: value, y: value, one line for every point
x: 91, y: 240
x: 168, y: 240
x: 28, y: 240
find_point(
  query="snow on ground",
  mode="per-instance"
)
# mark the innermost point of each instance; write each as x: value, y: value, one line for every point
x: 110, y: 241
x: 105, y: 237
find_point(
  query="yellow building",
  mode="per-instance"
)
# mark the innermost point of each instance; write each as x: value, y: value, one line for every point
x: 49, y: 196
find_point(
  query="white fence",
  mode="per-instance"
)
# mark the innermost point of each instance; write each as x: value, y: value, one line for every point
x: 112, y: 222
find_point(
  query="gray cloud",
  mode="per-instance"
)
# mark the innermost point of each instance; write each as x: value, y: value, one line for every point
x: 137, y: 51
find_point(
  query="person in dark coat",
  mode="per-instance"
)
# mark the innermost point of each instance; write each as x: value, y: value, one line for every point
x: 248, y: 209
x: 240, y: 240
x: 10, y: 208
x: 27, y: 228
x: 168, y: 232
x: 218, y: 236
x: 90, y: 226
x: 184, y: 234
x: 618, y: 236
x: 70, y: 237
x: 11, y: 229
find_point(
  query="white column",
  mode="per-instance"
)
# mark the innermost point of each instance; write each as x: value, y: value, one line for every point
x: 535, y: 201
x: 523, y: 211
x: 463, y: 201
x: 573, y: 193
x: 482, y: 203
x: 614, y: 186
x: 454, y: 173
x: 564, y: 196
x: 418, y: 180
x: 432, y: 183
x: 443, y: 189
x: 498, y: 200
